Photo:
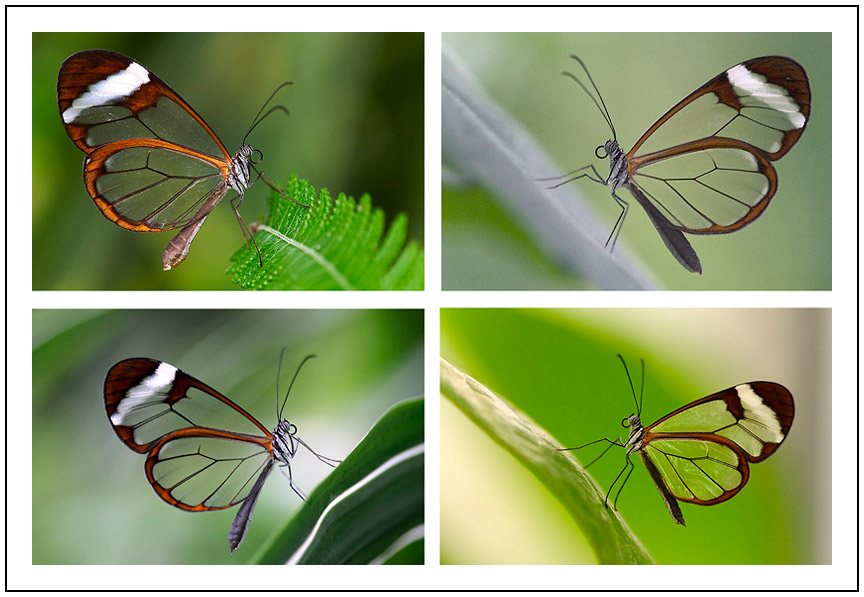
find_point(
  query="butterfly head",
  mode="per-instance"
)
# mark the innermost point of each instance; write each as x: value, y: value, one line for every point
x: 286, y: 428
x: 238, y: 174
x: 631, y: 422
x: 285, y: 442
x: 610, y: 148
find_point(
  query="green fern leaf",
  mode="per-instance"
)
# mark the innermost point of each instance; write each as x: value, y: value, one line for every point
x: 329, y: 245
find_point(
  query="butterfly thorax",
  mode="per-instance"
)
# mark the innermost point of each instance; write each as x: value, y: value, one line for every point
x: 617, y: 164
x: 238, y: 172
x: 637, y: 433
x: 284, y: 441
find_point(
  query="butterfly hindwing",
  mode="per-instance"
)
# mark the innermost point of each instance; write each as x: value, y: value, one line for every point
x: 708, y: 187
x: 699, y: 469
x: 202, y: 469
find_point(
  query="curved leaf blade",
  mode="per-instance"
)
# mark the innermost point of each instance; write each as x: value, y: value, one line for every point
x: 612, y: 540
x: 483, y: 145
x: 369, y: 510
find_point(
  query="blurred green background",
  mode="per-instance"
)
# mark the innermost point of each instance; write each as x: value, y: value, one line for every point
x: 356, y: 126
x: 560, y: 368
x: 91, y: 501
x: 640, y: 77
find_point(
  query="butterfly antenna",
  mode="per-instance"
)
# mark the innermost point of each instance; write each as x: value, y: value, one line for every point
x: 601, y: 105
x: 632, y: 389
x: 278, y: 371
x: 293, y: 379
x: 256, y: 120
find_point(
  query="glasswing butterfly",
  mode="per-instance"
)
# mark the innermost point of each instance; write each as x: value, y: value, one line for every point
x: 152, y: 162
x: 701, y: 453
x: 192, y: 462
x: 705, y: 167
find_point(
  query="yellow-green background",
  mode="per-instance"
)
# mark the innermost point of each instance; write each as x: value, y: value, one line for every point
x: 640, y: 77
x: 560, y: 368
x: 356, y: 126
x: 91, y: 501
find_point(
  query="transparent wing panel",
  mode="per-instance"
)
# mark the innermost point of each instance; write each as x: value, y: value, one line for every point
x: 706, y: 417
x: 697, y: 470
x: 147, y: 400
x: 156, y: 187
x: 166, y: 120
x: 764, y: 102
x: 207, y: 472
x: 173, y: 123
x: 705, y: 188
x: 756, y: 416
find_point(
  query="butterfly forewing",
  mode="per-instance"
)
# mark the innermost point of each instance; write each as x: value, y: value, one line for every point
x: 764, y: 102
x: 106, y: 97
x: 147, y: 399
x: 755, y: 416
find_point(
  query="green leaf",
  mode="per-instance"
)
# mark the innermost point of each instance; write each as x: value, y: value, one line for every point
x: 328, y: 245
x: 484, y: 146
x: 369, y: 510
x: 611, y: 538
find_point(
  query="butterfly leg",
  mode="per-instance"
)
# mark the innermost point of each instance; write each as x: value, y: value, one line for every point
x: 275, y: 187
x: 291, y: 480
x: 244, y: 229
x: 629, y: 466
x: 596, y: 177
x: 331, y: 461
x: 603, y: 453
x: 619, y: 223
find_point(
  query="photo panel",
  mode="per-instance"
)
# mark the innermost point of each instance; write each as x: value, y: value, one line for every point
x: 323, y: 133
x: 721, y: 164
x: 192, y: 429
x: 518, y: 385
x: 194, y: 393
